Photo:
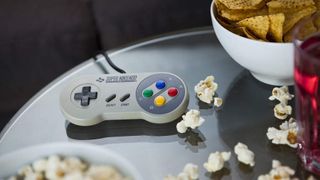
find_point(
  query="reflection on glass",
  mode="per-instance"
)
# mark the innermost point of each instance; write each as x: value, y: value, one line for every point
x: 219, y: 174
x: 116, y: 128
x: 193, y: 139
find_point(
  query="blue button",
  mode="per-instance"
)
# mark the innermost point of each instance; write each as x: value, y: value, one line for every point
x: 160, y: 84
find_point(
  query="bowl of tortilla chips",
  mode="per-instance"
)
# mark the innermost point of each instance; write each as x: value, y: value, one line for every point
x: 257, y: 34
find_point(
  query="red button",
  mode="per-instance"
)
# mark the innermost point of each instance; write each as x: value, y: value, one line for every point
x: 172, y: 92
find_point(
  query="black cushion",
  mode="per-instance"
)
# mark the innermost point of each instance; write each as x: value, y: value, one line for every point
x: 39, y: 40
x: 122, y: 21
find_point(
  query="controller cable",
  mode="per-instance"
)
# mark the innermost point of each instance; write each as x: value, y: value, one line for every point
x: 115, y: 67
x: 109, y: 61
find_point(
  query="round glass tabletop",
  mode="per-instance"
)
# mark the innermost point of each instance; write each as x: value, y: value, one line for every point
x: 158, y: 150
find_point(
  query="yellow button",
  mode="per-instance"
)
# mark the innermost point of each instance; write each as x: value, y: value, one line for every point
x: 159, y: 101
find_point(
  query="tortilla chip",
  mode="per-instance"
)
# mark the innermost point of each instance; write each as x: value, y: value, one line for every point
x: 266, y: 19
x: 285, y: 10
x: 224, y: 22
x: 289, y: 4
x: 308, y: 29
x: 288, y: 36
x: 243, y: 4
x: 230, y: 26
x: 276, y: 26
x: 259, y: 25
x: 238, y: 15
x: 248, y: 34
x: 293, y: 18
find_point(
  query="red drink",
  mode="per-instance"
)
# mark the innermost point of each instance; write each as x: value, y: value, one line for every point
x: 307, y: 77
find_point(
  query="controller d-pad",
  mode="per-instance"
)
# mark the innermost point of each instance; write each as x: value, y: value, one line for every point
x: 85, y: 96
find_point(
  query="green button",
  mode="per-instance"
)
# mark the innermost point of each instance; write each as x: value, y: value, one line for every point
x: 147, y: 93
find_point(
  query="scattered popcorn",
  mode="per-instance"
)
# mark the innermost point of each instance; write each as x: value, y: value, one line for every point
x: 281, y: 94
x: 287, y: 134
x: 206, y: 89
x: 217, y: 102
x: 216, y: 161
x: 278, y: 172
x: 190, y: 172
x: 66, y: 168
x: 191, y: 120
x: 281, y: 111
x: 181, y: 127
x: 244, y: 154
x: 291, y: 124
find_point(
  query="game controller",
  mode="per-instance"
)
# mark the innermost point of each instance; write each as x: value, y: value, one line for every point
x: 155, y: 97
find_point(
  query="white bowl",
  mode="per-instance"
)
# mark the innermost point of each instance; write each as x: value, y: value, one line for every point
x: 269, y: 62
x: 10, y: 163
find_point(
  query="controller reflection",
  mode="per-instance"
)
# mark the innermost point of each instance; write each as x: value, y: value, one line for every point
x: 116, y: 128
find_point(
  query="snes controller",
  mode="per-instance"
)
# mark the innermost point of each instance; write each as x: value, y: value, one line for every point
x: 155, y: 97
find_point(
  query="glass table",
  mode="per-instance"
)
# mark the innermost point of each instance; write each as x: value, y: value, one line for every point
x: 158, y: 150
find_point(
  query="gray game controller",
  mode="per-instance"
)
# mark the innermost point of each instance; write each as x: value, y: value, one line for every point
x: 155, y: 97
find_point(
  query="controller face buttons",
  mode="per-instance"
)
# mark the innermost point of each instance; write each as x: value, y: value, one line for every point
x: 159, y: 101
x: 172, y: 92
x: 160, y: 93
x: 85, y: 96
x: 160, y: 84
x: 147, y: 93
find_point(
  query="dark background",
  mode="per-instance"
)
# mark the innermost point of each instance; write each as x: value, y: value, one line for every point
x: 41, y: 39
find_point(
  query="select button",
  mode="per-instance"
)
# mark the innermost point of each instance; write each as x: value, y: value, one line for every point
x: 110, y: 98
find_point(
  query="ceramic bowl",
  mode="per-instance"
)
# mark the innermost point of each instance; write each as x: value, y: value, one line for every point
x: 269, y: 62
x: 10, y: 163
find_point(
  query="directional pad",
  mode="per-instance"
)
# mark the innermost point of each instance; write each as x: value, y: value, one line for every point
x: 85, y: 96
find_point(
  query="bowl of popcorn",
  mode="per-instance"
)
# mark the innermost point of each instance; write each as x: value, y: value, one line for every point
x: 257, y: 34
x: 66, y: 161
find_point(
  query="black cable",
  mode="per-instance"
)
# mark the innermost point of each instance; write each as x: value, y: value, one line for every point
x: 115, y: 67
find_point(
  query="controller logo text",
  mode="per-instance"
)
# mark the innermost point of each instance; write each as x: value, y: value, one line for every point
x: 119, y: 79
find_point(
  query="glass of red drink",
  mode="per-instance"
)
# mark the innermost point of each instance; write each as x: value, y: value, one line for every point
x: 306, y: 40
